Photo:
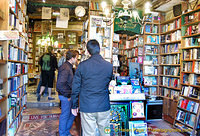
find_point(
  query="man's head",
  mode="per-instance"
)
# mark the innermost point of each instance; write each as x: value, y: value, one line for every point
x: 71, y: 57
x: 50, y: 49
x: 93, y: 47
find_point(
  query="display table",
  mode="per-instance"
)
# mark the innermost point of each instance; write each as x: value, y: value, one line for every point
x: 127, y: 97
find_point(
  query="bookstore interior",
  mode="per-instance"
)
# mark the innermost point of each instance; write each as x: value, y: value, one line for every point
x: 154, y: 46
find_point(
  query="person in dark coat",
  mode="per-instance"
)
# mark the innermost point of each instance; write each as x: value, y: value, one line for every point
x: 64, y: 88
x: 90, y: 85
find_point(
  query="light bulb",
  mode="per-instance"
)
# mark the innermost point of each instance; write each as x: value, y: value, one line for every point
x: 135, y: 13
x: 114, y: 2
x: 147, y: 5
x: 103, y: 5
x: 133, y: 1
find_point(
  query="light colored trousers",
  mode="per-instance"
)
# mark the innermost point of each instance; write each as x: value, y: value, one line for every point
x: 91, y: 121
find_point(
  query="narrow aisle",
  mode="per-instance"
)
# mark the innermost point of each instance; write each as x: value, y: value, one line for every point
x: 42, y: 122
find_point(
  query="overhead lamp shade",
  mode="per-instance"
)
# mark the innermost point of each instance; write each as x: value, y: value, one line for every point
x: 130, y: 29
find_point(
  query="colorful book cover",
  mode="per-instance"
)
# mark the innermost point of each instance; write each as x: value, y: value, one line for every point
x: 138, y: 128
x: 137, y: 109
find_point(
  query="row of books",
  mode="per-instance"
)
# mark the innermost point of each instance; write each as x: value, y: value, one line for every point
x: 151, y: 28
x: 173, y: 94
x: 175, y: 36
x: 170, y: 59
x: 21, y: 43
x: 151, y: 49
x: 95, y: 5
x: 152, y: 39
x: 192, y: 79
x: 16, y: 69
x: 190, y: 91
x: 192, y: 17
x: 186, y: 117
x: 197, y: 67
x: 16, y: 97
x: 16, y: 83
x: 191, y: 54
x: 188, y: 105
x: 191, y: 67
x: 167, y: 70
x: 15, y: 23
x: 170, y: 82
x: 170, y: 48
x: 17, y: 54
x: 192, y: 41
x: 150, y: 70
x: 174, y: 25
x: 194, y: 29
x: 150, y: 90
x: 1, y: 53
x: 148, y: 80
x: 151, y: 60
x: 131, y: 53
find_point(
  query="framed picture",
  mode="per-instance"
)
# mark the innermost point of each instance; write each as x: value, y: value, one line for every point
x: 38, y: 26
x: 71, y: 38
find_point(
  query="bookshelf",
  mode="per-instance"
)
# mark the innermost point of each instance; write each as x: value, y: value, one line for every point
x: 151, y: 57
x: 169, y: 85
x: 187, y: 116
x: 13, y: 64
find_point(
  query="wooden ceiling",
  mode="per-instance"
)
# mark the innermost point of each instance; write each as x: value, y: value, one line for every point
x: 34, y: 7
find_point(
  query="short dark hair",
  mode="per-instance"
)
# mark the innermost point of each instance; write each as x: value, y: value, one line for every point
x: 93, y: 47
x: 70, y: 54
x: 50, y: 48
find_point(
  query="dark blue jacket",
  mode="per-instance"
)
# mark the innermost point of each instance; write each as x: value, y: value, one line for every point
x: 90, y: 85
x: 64, y: 80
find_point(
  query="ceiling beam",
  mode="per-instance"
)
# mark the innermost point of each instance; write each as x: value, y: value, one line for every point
x: 51, y: 5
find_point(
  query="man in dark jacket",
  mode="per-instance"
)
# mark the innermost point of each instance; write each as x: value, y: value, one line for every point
x: 90, y: 85
x: 64, y: 88
x: 48, y: 65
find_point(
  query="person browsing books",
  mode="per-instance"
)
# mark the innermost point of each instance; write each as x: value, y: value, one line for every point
x: 90, y: 85
x: 64, y: 88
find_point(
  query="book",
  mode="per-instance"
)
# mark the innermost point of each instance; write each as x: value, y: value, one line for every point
x: 137, y: 110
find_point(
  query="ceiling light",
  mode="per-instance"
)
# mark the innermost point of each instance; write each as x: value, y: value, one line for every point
x: 103, y: 4
x: 43, y: 1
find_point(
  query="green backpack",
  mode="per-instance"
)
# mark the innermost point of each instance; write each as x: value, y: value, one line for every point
x: 46, y: 62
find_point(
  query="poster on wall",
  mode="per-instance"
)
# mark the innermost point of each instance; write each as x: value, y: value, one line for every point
x: 46, y: 27
x: 46, y: 13
x: 37, y: 26
x: 61, y: 23
x: 64, y: 13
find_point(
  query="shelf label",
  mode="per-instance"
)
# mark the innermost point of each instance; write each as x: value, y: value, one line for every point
x: 9, y: 35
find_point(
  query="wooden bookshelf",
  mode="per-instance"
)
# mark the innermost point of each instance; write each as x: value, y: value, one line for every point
x: 171, y: 31
x: 192, y: 35
x: 6, y: 8
x: 170, y: 87
x: 171, y: 42
x: 169, y: 48
x: 170, y: 20
x: 170, y: 76
x: 2, y: 118
x: 186, y: 110
x: 151, y: 44
x: 2, y: 62
x: 169, y: 64
x: 192, y: 23
x: 3, y: 99
x: 163, y: 54
x: 191, y: 47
